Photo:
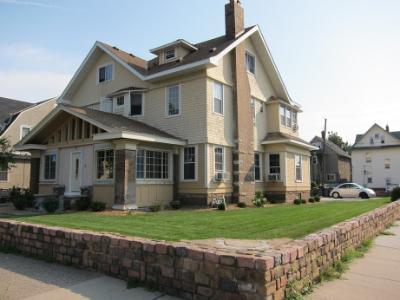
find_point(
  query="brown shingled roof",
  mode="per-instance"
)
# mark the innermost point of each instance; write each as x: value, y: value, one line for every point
x: 280, y: 136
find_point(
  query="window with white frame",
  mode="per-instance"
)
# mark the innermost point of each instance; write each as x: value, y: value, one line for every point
x: 282, y: 113
x: 173, y: 100
x: 50, y: 164
x: 25, y: 129
x: 250, y: 63
x: 218, y: 98
x: 331, y: 177
x: 298, y: 166
x: 189, y: 163
x: 170, y: 54
x: 120, y: 100
x: 136, y: 104
x: 4, y: 173
x: 219, y: 161
x: 106, y: 104
x: 105, y: 73
x: 387, y: 163
x: 105, y: 164
x: 274, y: 167
x: 257, y: 166
x: 152, y: 164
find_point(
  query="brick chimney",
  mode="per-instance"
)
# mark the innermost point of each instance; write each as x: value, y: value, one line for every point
x: 387, y: 128
x: 234, y: 19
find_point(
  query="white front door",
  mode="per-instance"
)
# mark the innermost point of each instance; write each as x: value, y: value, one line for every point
x: 76, y: 172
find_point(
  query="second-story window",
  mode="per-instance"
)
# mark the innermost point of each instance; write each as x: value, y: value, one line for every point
x: 218, y: 98
x: 25, y: 130
x: 173, y: 100
x: 250, y: 63
x: 136, y: 104
x: 170, y: 54
x: 282, y: 113
x: 105, y: 73
x: 120, y: 100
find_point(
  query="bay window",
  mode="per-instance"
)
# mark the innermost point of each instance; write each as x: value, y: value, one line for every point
x: 151, y: 164
x: 298, y: 166
x: 136, y: 104
x: 274, y: 167
x: 104, y: 164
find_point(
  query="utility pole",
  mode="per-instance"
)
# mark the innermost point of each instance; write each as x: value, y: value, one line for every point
x: 323, y: 161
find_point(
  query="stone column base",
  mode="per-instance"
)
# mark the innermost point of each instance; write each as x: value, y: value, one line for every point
x: 124, y: 207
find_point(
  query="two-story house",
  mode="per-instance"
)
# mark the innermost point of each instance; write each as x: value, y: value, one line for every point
x: 198, y: 120
x: 331, y: 165
x: 21, y: 117
x: 376, y: 158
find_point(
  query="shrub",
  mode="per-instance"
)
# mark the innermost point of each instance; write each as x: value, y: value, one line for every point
x: 98, y: 206
x: 395, y: 194
x: 297, y: 201
x: 317, y: 198
x: 176, y: 204
x: 29, y: 198
x: 311, y: 200
x: 259, y: 200
x: 221, y: 206
x: 50, y: 204
x: 21, y: 198
x: 82, y: 203
x: 19, y: 202
x: 155, y: 208
x: 303, y: 201
x: 241, y: 205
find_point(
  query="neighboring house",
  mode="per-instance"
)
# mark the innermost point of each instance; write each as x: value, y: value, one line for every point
x: 376, y: 158
x: 336, y: 162
x: 20, y: 120
x: 8, y: 109
x: 198, y: 120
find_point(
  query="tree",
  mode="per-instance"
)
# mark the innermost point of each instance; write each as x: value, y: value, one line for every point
x: 6, y: 154
x: 335, y: 138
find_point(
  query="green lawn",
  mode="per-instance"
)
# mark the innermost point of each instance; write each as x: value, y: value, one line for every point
x: 278, y: 221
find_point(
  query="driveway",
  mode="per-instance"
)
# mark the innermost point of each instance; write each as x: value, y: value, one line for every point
x: 26, y: 278
x: 375, y: 276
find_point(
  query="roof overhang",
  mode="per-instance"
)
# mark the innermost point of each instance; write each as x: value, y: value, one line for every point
x: 291, y: 142
x: 137, y: 136
x: 27, y: 147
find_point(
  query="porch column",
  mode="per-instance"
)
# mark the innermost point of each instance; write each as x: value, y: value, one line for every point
x: 35, y: 171
x: 125, y: 176
x: 176, y: 173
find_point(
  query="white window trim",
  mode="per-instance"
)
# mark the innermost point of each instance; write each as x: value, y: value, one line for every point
x: 182, y: 167
x: 172, y: 58
x: 301, y: 168
x: 103, y: 181
x: 261, y: 167
x: 8, y: 175
x: 223, y: 163
x: 223, y: 98
x: 248, y: 52
x: 106, y: 99
x: 112, y: 73
x: 24, y: 126
x: 145, y: 180
x: 167, y: 100
x: 143, y: 101
x: 268, y: 168
x: 43, y: 165
x: 116, y: 101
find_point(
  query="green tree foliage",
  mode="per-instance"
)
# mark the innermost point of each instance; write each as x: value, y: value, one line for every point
x: 335, y: 138
x: 6, y: 155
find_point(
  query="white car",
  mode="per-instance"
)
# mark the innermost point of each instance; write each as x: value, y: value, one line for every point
x: 352, y: 190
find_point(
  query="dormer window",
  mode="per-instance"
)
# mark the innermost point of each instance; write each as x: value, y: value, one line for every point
x: 170, y: 54
x: 105, y: 73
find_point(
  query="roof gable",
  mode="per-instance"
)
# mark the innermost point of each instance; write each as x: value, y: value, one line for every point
x: 11, y: 106
x: 377, y: 136
x: 332, y: 146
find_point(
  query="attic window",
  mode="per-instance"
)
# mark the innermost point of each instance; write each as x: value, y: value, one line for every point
x: 170, y: 54
x: 250, y: 63
x: 105, y: 73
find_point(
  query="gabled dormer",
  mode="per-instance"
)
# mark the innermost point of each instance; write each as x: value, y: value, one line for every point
x: 174, y: 51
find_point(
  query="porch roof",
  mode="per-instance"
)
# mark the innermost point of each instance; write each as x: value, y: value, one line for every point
x: 280, y: 137
x: 115, y: 126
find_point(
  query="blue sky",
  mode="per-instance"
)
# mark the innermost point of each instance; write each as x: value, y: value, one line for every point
x: 338, y: 58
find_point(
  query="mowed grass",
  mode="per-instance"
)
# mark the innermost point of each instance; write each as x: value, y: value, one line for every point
x: 278, y: 221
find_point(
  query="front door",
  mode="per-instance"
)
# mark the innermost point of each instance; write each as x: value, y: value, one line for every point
x: 76, y: 172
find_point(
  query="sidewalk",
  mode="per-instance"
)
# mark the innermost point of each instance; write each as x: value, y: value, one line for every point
x: 375, y: 276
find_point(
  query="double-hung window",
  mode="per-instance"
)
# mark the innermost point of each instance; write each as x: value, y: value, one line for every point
x: 105, y: 73
x: 250, y: 63
x: 4, y: 173
x: 173, y: 100
x: 282, y: 113
x: 189, y: 163
x: 219, y: 162
x: 152, y: 164
x: 257, y: 166
x: 170, y: 54
x: 136, y: 104
x: 50, y: 162
x: 218, y: 98
x: 298, y: 166
x: 274, y: 167
x: 105, y: 164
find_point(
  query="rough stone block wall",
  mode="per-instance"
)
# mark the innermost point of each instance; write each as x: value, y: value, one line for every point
x: 195, y: 273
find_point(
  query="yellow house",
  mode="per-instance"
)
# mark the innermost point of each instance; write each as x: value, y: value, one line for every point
x: 18, y: 124
x: 197, y: 121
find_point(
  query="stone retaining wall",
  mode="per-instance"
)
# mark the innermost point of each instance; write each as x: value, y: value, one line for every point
x: 195, y: 273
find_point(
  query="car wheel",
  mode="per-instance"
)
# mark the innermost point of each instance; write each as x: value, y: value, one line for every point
x: 364, y: 195
x: 336, y: 195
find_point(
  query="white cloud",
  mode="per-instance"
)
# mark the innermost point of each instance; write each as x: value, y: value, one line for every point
x: 32, y: 86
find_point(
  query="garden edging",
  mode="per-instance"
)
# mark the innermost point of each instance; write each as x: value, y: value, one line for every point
x: 191, y: 272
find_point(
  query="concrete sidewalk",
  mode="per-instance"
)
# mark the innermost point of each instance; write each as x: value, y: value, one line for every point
x: 375, y: 276
x: 26, y: 278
